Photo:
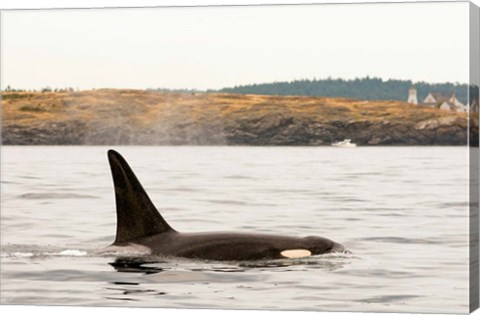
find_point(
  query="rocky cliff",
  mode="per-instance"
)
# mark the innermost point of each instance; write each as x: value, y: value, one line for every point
x: 112, y: 117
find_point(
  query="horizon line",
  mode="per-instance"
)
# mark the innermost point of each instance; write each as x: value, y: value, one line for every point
x: 314, y: 79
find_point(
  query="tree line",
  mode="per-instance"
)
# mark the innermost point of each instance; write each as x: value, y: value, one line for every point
x: 360, y: 88
x: 43, y: 89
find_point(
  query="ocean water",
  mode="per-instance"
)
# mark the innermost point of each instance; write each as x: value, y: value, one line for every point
x: 401, y: 211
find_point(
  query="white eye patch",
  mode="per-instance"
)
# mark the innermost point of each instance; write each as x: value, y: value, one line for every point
x: 296, y: 253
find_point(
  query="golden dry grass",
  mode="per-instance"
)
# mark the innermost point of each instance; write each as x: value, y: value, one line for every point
x: 148, y: 108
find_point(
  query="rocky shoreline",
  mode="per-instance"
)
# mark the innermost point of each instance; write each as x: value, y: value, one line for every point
x: 267, y: 131
x: 183, y: 121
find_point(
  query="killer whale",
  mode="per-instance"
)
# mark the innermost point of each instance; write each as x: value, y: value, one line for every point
x: 141, y: 229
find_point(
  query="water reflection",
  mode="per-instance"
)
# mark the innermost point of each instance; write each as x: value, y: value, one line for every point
x: 135, y: 264
x: 165, y: 276
x: 324, y: 263
x: 152, y: 265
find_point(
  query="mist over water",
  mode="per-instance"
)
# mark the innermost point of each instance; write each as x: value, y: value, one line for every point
x: 128, y: 117
x: 402, y: 211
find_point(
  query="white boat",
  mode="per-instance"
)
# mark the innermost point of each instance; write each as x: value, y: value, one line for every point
x: 347, y: 143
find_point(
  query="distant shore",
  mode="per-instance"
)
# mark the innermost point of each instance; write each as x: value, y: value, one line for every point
x: 135, y: 117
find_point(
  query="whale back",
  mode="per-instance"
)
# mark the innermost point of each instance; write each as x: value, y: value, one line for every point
x: 137, y: 216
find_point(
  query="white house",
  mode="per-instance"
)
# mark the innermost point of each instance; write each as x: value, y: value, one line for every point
x: 437, y: 100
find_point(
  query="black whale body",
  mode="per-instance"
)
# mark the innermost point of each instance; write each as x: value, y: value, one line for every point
x: 141, y: 228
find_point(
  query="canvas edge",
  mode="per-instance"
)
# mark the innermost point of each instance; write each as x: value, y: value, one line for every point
x: 474, y: 73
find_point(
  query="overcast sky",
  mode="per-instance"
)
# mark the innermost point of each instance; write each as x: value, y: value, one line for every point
x: 214, y: 47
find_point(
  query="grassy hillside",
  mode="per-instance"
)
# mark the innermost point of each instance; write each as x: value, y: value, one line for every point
x: 141, y: 117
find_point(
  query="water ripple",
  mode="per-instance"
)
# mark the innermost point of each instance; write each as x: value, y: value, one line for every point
x: 388, y: 298
x: 56, y: 196
x: 401, y: 240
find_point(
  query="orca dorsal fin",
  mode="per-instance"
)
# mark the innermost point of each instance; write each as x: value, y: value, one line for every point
x: 137, y: 216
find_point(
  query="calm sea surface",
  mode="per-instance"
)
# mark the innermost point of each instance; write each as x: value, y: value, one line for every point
x: 402, y: 211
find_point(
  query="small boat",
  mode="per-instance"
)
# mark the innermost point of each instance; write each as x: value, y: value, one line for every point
x: 347, y: 143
